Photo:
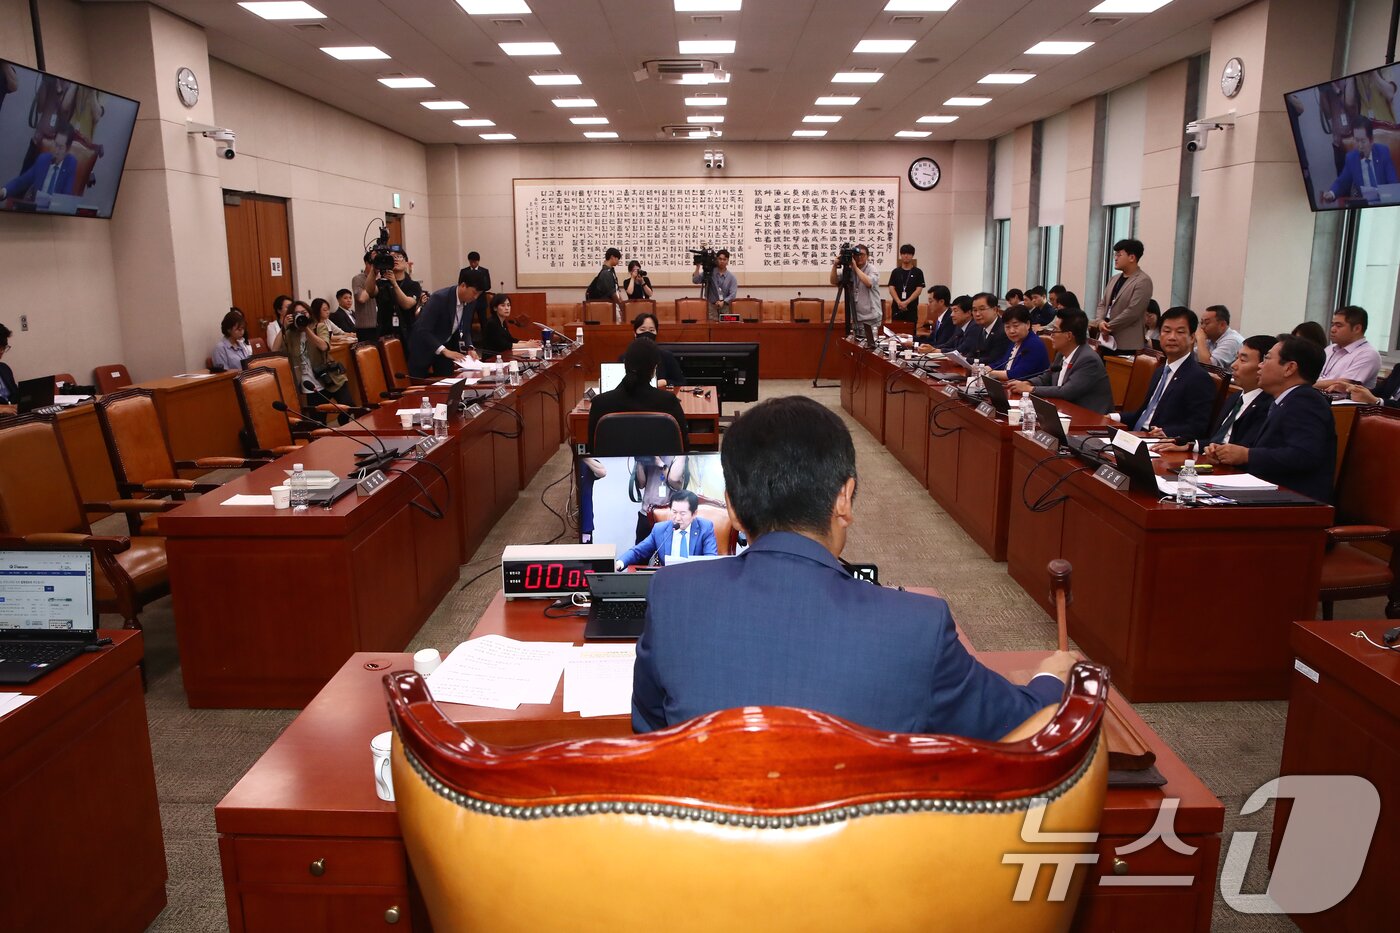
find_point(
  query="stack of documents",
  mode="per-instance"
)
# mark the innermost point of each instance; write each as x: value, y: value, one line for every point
x: 500, y: 672
x: 598, y: 680
x: 1234, y: 481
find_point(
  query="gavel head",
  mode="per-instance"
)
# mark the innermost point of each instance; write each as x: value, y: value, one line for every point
x: 1060, y: 571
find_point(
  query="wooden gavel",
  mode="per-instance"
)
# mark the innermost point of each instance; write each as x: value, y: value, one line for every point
x: 1060, y: 593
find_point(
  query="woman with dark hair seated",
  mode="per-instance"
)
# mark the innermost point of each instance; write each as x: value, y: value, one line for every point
x: 495, y: 335
x: 1028, y: 354
x: 636, y: 393
x: 1311, y: 330
x: 230, y: 352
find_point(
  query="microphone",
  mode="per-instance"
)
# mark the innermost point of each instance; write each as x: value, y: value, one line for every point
x: 374, y: 460
x: 521, y: 320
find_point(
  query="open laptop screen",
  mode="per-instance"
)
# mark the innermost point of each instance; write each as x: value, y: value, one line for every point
x: 46, y: 594
x: 610, y: 376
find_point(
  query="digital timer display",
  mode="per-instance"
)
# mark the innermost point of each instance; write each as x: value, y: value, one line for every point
x: 550, y: 577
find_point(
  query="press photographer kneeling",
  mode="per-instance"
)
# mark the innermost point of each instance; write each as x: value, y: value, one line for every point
x: 307, y: 339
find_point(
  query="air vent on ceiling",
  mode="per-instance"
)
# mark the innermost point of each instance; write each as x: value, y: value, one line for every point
x: 1105, y: 21
x: 906, y: 20
x: 689, y: 131
x: 508, y: 22
x: 865, y: 68
x: 676, y: 70
x: 707, y: 20
x: 311, y: 27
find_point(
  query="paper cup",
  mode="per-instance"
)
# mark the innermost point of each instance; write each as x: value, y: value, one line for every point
x: 426, y: 660
x: 1013, y: 416
x: 281, y: 497
x: 406, y: 418
x: 379, y: 748
x: 1064, y: 424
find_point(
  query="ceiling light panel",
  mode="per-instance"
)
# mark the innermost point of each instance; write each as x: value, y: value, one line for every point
x: 1129, y: 6
x: 445, y: 105
x: 856, y: 77
x: 936, y: 118
x: 704, y: 118
x: 821, y: 118
x: 1058, y: 48
x: 706, y: 101
x: 276, y: 11
x: 808, y: 133
x: 700, y: 78
x: 920, y: 6
x: 554, y: 80
x: 493, y: 137
x: 837, y: 101
x: 708, y: 6
x: 1005, y: 79
x: 884, y: 46
x: 575, y: 102
x: 493, y: 7
x: 600, y: 135
x: 707, y: 46
x: 405, y: 82
x: 913, y: 134
x: 588, y: 121
x: 966, y: 101
x: 354, y: 53
x: 529, y: 48
x: 476, y: 122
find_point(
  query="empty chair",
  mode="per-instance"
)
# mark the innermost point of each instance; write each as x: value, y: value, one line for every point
x: 599, y: 312
x: 257, y: 345
x: 367, y: 360
x: 282, y: 367
x: 636, y: 306
x: 637, y: 434
x: 804, y: 310
x: 1145, y: 365
x: 111, y: 377
x: 691, y: 310
x: 748, y: 309
x: 793, y: 816
x: 267, y: 432
x: 1368, y: 510
x: 63, y: 379
x: 1221, y: 378
x: 776, y: 311
x: 396, y: 367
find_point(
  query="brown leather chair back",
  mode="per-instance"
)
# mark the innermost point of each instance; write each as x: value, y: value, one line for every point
x: 62, y: 379
x: 637, y: 434
x: 726, y: 536
x: 279, y: 364
x: 1367, y: 493
x: 1049, y: 345
x: 807, y: 309
x: 748, y: 309
x: 368, y: 363
x: 691, y: 309
x: 776, y: 311
x: 395, y: 362
x: 831, y: 826
x: 40, y: 496
x: 111, y: 377
x: 1221, y: 378
x: 264, y: 427
x: 636, y: 306
x: 257, y: 345
x: 601, y: 312
x: 1140, y: 379
x: 135, y: 439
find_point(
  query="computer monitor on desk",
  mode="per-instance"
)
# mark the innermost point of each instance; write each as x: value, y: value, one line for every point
x: 733, y: 367
x: 623, y: 500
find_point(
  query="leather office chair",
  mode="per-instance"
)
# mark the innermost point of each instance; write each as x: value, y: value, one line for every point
x: 1221, y: 378
x: 40, y: 507
x: 396, y: 367
x: 637, y: 434
x: 111, y: 377
x: 282, y: 368
x: 267, y: 432
x: 1145, y: 364
x: 599, y: 312
x: 692, y: 310
x: 793, y: 816
x: 636, y: 306
x: 726, y: 535
x: 257, y: 345
x: 1368, y: 509
x: 806, y: 310
x: 63, y: 379
x: 776, y: 311
x: 750, y: 310
x: 1049, y: 347
x: 367, y: 359
x: 666, y: 312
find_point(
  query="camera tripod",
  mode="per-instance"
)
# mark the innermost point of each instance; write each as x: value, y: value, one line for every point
x: 845, y: 293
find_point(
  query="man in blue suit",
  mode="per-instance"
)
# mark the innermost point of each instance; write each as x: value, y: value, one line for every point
x: 1182, y: 394
x: 51, y: 173
x: 1366, y: 166
x: 1297, y: 447
x: 683, y: 535
x: 985, y: 340
x: 785, y: 624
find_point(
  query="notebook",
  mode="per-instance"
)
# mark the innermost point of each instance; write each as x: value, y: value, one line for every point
x: 48, y: 611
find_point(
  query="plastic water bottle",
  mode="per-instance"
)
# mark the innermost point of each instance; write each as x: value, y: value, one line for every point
x: 1027, y: 414
x: 425, y: 413
x: 893, y: 348
x: 1187, y: 486
x: 440, y: 421
x: 298, y: 487
x: 578, y: 336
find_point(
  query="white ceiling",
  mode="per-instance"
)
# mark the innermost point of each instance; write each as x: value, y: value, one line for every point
x: 787, y: 52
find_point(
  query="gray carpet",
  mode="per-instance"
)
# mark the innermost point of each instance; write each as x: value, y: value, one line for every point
x: 200, y: 754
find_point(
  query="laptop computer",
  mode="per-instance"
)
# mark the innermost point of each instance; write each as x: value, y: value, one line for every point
x: 1047, y: 419
x: 35, y: 395
x: 610, y: 376
x: 619, y: 605
x: 48, y: 611
x: 996, y: 395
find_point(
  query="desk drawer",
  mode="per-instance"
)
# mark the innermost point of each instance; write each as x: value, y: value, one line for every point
x: 324, y: 861
x: 273, y: 911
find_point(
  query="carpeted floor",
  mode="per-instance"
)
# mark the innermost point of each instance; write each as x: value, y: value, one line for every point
x: 200, y: 754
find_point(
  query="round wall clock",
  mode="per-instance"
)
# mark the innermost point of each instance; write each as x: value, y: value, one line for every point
x: 1232, y: 77
x: 924, y: 173
x: 187, y: 86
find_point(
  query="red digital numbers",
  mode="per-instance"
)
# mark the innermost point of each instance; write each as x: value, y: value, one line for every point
x: 553, y: 577
x: 575, y: 579
x: 534, y: 571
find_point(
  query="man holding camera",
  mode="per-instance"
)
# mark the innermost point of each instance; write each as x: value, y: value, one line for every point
x: 395, y: 296
x: 866, y: 309
x: 721, y: 287
x: 444, y: 333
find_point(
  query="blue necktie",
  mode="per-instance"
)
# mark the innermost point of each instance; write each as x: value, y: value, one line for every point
x: 1145, y: 418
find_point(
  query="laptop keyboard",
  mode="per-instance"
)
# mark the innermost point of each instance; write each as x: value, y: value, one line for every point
x: 38, y: 653
x: 620, y: 611
x: 47, y: 410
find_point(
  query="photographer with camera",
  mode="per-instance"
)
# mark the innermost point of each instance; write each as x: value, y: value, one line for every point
x: 865, y: 292
x: 721, y: 288
x: 394, y: 292
x: 638, y: 282
x: 281, y: 308
x: 307, y: 338
x: 605, y: 287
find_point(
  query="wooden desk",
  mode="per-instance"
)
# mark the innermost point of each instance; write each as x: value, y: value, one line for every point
x: 200, y: 414
x: 701, y: 419
x: 1348, y: 722
x: 78, y: 799
x: 312, y: 796
x: 268, y: 604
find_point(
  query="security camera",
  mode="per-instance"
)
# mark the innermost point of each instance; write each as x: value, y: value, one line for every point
x: 1199, y: 131
x: 223, y: 138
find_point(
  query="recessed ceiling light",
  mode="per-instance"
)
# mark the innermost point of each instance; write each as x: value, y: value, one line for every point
x: 708, y: 101
x: 936, y: 118
x: 444, y: 105
x: 588, y: 121
x: 856, y: 77
x: 1005, y: 79
x: 575, y: 102
x: 698, y: 134
x: 554, y: 80
x: 529, y: 48
x: 966, y: 101
x: 708, y: 6
x: 295, y: 10
x: 1058, y: 48
x: 808, y: 133
x: 913, y: 134
x: 720, y: 77
x: 884, y: 46
x: 600, y: 135
x: 496, y: 136
x: 493, y: 7
x: 837, y: 101
x: 474, y: 122
x: 919, y: 6
x: 821, y: 118
x: 704, y: 118
x: 353, y: 53
x: 707, y: 46
x: 402, y: 82
x: 1129, y: 6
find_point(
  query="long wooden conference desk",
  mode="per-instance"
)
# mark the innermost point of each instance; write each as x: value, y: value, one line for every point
x: 1248, y: 571
x: 306, y: 844
x: 785, y: 350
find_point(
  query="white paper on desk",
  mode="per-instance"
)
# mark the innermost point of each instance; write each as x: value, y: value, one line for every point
x: 9, y: 702
x: 500, y: 672
x: 470, y: 364
x: 242, y: 499
x: 1234, y: 481
x: 193, y: 375
x: 1167, y: 487
x: 598, y: 680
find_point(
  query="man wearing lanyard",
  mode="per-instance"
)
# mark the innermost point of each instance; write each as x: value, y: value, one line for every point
x: 442, y: 335
x: 1118, y: 321
x: 1350, y: 357
x: 906, y: 282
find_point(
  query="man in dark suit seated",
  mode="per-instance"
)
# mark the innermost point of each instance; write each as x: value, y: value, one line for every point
x: 635, y: 392
x: 442, y: 335
x: 1297, y: 447
x: 1244, y: 414
x: 950, y: 329
x: 684, y: 534
x: 1078, y: 374
x: 785, y: 624
x: 940, y: 317
x: 985, y: 340
x: 1181, y: 395
x: 1366, y: 167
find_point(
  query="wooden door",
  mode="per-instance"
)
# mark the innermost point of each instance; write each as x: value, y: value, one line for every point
x: 256, y: 227
x: 394, y: 224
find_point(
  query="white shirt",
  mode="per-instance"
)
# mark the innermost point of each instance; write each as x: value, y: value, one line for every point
x: 1064, y: 370
x: 680, y: 543
x: 1161, y: 388
x: 456, y: 324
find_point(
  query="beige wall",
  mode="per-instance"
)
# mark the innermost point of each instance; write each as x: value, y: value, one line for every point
x: 1161, y: 174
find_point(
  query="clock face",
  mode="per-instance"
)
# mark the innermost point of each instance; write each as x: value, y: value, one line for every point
x: 924, y: 174
x: 1232, y: 77
x: 187, y: 86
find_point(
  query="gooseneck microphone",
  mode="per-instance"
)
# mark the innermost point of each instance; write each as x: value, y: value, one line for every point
x: 375, y: 459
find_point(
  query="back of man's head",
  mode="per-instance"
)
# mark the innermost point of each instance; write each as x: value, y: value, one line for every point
x: 1308, y: 355
x: 1075, y: 323
x: 785, y: 461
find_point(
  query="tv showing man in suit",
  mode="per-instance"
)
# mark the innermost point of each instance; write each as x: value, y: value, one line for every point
x: 786, y: 624
x: 50, y: 174
x: 1367, y: 167
x: 684, y: 534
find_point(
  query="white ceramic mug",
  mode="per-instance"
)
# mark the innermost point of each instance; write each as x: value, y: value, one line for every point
x: 426, y: 660
x: 379, y: 748
x: 281, y: 497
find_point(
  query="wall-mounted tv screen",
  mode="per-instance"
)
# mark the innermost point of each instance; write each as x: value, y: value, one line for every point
x: 1348, y: 134
x: 62, y: 144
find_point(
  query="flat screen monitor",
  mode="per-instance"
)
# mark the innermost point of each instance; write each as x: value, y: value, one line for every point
x: 733, y: 367
x: 620, y: 498
x: 610, y: 376
x: 1347, y: 132
x: 62, y: 144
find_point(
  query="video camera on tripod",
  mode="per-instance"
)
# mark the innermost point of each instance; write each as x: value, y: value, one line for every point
x: 847, y: 256
x: 380, y: 255
x: 706, y: 258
